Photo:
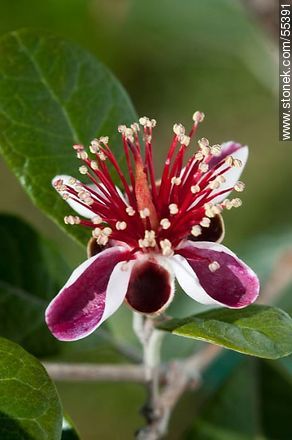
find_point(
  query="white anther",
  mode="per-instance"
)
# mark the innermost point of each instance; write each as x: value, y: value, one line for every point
x: 145, y: 121
x: 205, y: 151
x: 104, y: 139
x: 214, y: 184
x: 121, y: 226
x: 95, y: 143
x: 96, y: 232
x: 78, y: 147
x: 237, y: 163
x: 144, y: 213
x: 199, y: 155
x: 148, y: 240
x: 94, y: 165
x: 72, y: 220
x: 122, y: 128
x: 217, y: 209
x: 196, y: 230
x: 205, y: 222
x: 203, y: 142
x: 102, y: 240
x: 239, y: 186
x: 82, y: 155
x: 166, y: 247
x: 216, y: 150
x: 195, y: 189
x: 153, y: 123
x: 185, y: 140
x: 214, y: 266
x: 165, y: 223
x: 101, y: 235
x: 96, y: 220
x: 83, y: 169
x: 135, y: 127
x: 89, y: 201
x: 72, y: 181
x: 58, y: 184
x: 83, y: 195
x: 173, y: 208
x: 94, y: 149
x: 101, y: 155
x: 66, y: 196
x: 229, y: 161
x: 209, y: 210
x: 198, y: 117
x: 130, y: 211
x: 203, y: 167
x: 227, y: 204
x: 179, y: 129
x: 236, y: 203
x: 176, y: 180
x: 221, y: 178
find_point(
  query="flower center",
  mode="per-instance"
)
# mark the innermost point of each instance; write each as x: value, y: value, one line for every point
x: 146, y: 215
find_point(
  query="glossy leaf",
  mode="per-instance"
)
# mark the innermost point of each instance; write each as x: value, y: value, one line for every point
x: 257, y: 330
x: 54, y: 94
x: 69, y: 432
x: 31, y: 273
x: 29, y: 404
x: 254, y: 402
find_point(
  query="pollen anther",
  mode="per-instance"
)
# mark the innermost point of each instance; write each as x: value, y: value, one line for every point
x: 96, y: 220
x: 205, y: 222
x: 214, y: 266
x: 173, y: 208
x: 121, y: 226
x: 239, y: 186
x: 130, y: 211
x: 176, y: 180
x: 83, y: 169
x: 195, y: 189
x: 144, y: 213
x: 198, y: 117
x: 166, y: 248
x: 71, y: 220
x: 179, y: 129
x: 196, y: 230
x: 165, y: 223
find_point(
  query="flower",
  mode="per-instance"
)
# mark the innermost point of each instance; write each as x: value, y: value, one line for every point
x: 151, y: 232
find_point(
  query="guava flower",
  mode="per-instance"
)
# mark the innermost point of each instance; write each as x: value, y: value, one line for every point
x: 146, y: 233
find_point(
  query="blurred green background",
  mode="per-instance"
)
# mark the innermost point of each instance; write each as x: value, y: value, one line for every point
x: 173, y: 57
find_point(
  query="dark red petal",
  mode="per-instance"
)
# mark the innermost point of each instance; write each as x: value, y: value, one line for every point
x: 150, y: 287
x: 80, y: 306
x: 234, y: 284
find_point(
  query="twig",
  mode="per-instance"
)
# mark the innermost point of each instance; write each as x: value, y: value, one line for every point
x: 99, y: 372
x: 181, y: 375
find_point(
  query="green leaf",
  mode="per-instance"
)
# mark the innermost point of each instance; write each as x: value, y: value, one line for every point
x: 29, y: 404
x: 69, y: 431
x: 54, y: 94
x: 257, y: 330
x: 31, y: 273
x: 254, y: 402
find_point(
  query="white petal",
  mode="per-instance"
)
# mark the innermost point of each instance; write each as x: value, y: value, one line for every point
x: 189, y: 281
x: 233, y: 175
x: 117, y: 288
